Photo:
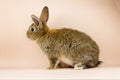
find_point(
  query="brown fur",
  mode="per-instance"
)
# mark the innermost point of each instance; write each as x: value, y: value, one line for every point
x: 73, y: 45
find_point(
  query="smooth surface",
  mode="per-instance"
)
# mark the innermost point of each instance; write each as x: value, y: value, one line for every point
x: 97, y: 73
x: 98, y: 18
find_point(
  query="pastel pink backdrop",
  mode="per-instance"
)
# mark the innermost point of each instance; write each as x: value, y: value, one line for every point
x: 98, y: 18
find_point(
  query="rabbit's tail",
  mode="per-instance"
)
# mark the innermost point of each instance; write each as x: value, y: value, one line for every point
x: 98, y: 63
x: 92, y: 65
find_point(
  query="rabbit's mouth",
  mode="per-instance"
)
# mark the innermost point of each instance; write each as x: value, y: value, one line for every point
x: 30, y: 36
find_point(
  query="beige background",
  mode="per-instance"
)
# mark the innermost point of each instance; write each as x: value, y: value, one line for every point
x: 98, y: 18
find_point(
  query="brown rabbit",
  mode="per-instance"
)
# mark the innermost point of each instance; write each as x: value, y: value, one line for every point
x: 65, y: 45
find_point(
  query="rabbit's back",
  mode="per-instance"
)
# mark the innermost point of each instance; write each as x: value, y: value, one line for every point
x: 69, y: 43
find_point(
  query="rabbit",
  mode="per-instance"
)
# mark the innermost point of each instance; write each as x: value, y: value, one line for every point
x: 65, y: 45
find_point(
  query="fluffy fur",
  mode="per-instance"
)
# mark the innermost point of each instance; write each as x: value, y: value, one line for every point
x: 68, y: 46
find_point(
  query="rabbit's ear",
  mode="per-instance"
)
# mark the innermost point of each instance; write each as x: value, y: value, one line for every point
x: 44, y: 14
x: 35, y: 20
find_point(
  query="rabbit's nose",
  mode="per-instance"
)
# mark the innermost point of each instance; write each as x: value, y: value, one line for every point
x: 31, y: 35
x: 28, y: 34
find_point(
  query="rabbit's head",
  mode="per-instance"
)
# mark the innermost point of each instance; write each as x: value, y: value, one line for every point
x: 39, y: 26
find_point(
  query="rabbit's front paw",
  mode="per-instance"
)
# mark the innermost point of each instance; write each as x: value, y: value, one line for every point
x: 48, y: 68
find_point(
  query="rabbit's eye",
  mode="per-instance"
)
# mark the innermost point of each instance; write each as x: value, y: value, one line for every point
x: 32, y: 29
